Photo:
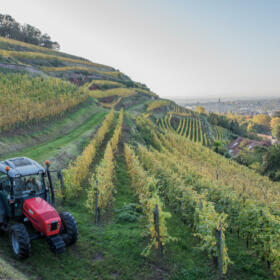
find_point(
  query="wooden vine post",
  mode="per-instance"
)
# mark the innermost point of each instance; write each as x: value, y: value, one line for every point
x: 97, y: 208
x: 219, y: 234
x: 60, y: 178
x: 156, y: 222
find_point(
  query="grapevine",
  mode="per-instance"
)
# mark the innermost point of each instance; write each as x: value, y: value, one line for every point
x: 146, y: 188
x: 78, y: 170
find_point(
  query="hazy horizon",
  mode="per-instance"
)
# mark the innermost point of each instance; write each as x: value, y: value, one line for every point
x: 228, y: 97
x: 188, y: 49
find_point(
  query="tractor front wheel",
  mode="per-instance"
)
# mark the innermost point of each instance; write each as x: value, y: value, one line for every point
x: 69, y: 230
x: 20, y: 241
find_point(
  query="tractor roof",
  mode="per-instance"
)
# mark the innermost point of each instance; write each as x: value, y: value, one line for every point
x: 21, y: 167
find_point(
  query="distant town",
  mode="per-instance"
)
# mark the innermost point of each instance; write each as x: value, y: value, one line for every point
x: 241, y: 107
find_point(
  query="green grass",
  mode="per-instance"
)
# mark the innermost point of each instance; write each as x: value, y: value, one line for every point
x: 46, y: 130
x: 245, y: 264
x: 185, y: 259
x: 49, y: 149
x: 8, y: 272
x: 139, y: 106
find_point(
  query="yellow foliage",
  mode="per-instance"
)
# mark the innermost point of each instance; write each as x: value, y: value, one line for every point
x: 118, y: 91
x: 200, y: 110
x: 35, y: 48
x: 275, y: 122
x: 181, y: 114
x: 113, y: 74
x: 191, y: 205
x: 106, y: 83
x: 117, y: 133
x: 157, y: 104
x: 25, y: 99
x: 146, y: 188
x: 250, y: 200
x: 123, y: 92
x: 38, y: 55
x: 102, y: 179
x: 78, y: 170
x: 111, y: 105
x: 262, y: 119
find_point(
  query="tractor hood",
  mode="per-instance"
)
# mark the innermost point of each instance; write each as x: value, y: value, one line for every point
x: 42, y: 215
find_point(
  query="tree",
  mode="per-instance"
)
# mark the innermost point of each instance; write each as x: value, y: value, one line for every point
x: 276, y: 131
x: 9, y: 28
x: 252, y: 127
x: 55, y: 46
x: 234, y: 126
x: 262, y: 119
x: 213, y: 118
x: 45, y: 41
x: 276, y: 114
x: 200, y: 110
x: 275, y: 127
x: 274, y: 122
x: 271, y: 163
x: 32, y: 35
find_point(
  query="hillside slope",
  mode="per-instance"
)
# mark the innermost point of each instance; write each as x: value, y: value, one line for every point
x: 8, y: 272
x: 143, y: 154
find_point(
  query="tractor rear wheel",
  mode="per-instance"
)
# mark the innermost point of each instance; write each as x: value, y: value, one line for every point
x: 69, y: 230
x: 20, y: 241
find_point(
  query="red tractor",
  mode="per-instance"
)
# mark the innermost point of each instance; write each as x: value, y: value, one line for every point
x: 26, y: 201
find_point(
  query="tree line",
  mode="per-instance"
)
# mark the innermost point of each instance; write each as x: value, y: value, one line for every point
x: 245, y: 125
x: 10, y: 28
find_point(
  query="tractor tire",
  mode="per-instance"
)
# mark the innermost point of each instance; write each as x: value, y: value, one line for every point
x: 69, y: 230
x: 20, y: 241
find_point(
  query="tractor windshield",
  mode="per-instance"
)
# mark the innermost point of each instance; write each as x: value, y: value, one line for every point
x: 33, y: 184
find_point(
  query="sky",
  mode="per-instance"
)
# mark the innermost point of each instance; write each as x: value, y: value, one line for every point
x: 178, y: 48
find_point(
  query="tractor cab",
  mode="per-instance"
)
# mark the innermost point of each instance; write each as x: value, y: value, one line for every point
x: 29, y: 185
x: 21, y: 179
x: 27, y: 196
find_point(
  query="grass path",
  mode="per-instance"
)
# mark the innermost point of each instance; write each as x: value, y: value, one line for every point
x: 138, y: 106
x: 49, y: 149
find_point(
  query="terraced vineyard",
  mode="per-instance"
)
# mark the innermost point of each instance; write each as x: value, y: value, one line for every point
x: 157, y: 104
x: 189, y: 127
x: 248, y: 208
x: 151, y: 199
x: 179, y: 110
x: 235, y: 191
x: 221, y: 133
x: 27, y: 100
x: 30, y: 96
x: 193, y: 126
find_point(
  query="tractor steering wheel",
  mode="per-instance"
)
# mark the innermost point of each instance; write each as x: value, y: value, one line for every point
x: 32, y: 185
x: 29, y: 185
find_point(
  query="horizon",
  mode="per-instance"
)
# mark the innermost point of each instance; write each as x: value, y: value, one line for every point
x: 229, y: 97
x: 191, y: 49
